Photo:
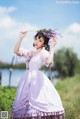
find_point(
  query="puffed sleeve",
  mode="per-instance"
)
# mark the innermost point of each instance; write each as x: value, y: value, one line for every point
x: 44, y: 58
x: 27, y: 54
x: 22, y: 52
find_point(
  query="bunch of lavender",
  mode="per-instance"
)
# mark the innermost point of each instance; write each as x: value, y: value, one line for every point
x: 50, y: 33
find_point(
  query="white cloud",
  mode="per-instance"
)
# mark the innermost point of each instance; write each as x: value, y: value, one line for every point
x: 5, y: 10
x: 71, y: 38
x: 9, y: 32
x: 74, y: 28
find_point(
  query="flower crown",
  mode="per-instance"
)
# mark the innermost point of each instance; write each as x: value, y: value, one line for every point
x: 50, y: 33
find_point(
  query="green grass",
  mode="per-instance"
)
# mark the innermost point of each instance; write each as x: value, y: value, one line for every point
x: 69, y: 90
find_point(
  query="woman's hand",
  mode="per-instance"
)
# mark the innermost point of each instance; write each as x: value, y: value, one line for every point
x: 23, y: 34
x: 52, y: 42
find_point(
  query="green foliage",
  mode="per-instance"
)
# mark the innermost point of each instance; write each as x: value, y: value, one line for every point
x: 4, y: 65
x: 65, y: 62
x: 7, y: 96
x: 78, y: 67
x: 19, y: 66
x: 69, y: 91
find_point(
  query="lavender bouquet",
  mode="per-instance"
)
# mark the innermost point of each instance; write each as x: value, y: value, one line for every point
x: 50, y: 33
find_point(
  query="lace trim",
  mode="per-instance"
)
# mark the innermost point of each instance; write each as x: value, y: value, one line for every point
x: 39, y: 115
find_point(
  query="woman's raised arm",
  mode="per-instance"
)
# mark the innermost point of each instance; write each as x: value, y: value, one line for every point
x: 51, y: 52
x: 16, y: 49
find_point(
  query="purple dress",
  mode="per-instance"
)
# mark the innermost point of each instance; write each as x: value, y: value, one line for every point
x: 36, y: 96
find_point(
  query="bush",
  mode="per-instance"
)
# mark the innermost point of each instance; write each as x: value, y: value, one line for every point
x: 65, y: 61
x: 7, y: 96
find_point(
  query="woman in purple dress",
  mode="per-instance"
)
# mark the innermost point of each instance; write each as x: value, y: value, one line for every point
x: 36, y: 96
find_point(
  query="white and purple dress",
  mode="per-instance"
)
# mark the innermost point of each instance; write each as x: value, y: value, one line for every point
x: 36, y: 96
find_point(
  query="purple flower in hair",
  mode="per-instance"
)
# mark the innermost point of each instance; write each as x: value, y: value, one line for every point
x: 50, y: 33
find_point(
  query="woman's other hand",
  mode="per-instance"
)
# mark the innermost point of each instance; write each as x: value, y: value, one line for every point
x: 23, y: 34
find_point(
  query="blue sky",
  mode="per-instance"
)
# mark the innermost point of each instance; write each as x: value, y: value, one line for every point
x: 38, y: 14
x: 44, y: 13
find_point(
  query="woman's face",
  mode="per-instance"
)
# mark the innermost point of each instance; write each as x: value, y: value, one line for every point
x: 38, y: 42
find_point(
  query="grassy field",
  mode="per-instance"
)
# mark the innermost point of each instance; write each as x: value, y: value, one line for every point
x: 69, y: 90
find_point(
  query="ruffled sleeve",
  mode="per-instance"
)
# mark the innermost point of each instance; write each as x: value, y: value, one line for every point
x: 44, y: 58
x: 23, y: 52
x: 26, y: 54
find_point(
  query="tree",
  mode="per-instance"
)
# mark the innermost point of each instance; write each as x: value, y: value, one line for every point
x: 65, y: 61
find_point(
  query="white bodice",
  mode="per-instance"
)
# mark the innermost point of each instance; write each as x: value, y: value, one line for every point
x: 34, y: 62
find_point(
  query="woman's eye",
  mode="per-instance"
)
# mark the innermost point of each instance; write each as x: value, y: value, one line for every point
x: 39, y: 37
x: 35, y: 39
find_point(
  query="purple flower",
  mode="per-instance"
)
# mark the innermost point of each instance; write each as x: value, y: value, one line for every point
x: 50, y: 33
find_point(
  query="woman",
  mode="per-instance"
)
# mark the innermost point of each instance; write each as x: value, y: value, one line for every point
x: 36, y: 97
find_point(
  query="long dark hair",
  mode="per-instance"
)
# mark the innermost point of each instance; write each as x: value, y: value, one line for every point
x: 46, y: 40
